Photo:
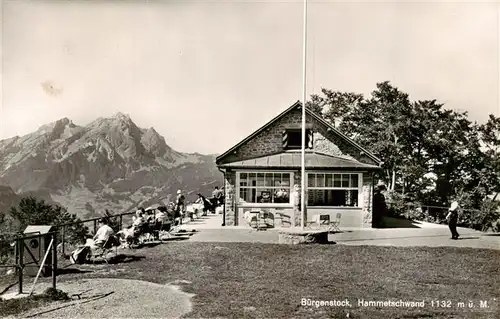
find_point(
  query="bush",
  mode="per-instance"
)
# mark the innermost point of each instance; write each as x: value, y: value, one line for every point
x: 7, y: 252
x: 54, y: 295
x: 31, y: 211
x: 400, y: 207
x: 487, y: 218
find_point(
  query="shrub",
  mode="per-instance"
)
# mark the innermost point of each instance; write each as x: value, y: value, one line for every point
x: 487, y: 218
x: 397, y: 204
x: 54, y: 294
x: 32, y: 211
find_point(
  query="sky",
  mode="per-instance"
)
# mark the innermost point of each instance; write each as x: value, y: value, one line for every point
x: 206, y: 74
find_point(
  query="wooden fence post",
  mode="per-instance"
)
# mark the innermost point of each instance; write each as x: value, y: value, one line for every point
x: 63, y: 234
x: 21, y: 264
x: 54, y: 259
x: 16, y: 251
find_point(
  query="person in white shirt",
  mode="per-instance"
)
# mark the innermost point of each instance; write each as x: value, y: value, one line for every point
x: 452, y: 219
x: 103, y: 233
x: 101, y: 236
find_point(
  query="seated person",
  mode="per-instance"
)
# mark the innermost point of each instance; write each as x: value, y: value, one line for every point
x: 148, y: 217
x: 139, y: 218
x: 101, y: 236
x: 199, y: 200
x: 138, y: 222
x: 161, y: 214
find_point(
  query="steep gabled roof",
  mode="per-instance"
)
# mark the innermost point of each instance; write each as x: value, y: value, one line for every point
x: 312, y: 114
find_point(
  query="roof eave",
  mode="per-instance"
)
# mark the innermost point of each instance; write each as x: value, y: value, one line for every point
x: 333, y: 128
x: 298, y: 167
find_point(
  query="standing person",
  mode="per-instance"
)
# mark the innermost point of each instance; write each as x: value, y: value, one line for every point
x: 216, y: 194
x: 179, y: 206
x: 452, y: 219
x: 379, y: 206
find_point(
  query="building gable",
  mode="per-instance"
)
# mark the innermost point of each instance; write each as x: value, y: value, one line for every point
x: 268, y: 139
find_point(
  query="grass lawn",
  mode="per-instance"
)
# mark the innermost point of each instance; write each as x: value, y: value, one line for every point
x: 265, y: 280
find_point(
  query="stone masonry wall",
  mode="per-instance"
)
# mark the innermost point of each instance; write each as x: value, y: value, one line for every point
x: 367, y: 200
x: 269, y: 141
x: 230, y: 198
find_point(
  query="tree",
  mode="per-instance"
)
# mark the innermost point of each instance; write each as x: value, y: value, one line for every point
x: 8, y: 227
x: 490, y: 140
x: 378, y: 123
x: 430, y: 155
x: 32, y: 211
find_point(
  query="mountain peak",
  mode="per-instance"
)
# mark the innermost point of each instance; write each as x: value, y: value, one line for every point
x: 121, y: 116
x: 61, y: 122
x: 56, y: 128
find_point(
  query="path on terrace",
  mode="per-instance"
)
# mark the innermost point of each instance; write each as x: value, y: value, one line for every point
x: 209, y: 229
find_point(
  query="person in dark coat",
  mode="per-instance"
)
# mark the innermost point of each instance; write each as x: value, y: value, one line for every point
x: 379, y: 206
x: 452, y: 219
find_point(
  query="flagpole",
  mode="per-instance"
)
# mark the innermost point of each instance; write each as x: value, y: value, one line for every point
x: 303, y: 161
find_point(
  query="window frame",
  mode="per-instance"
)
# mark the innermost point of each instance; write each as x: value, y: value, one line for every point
x: 248, y: 204
x: 359, y: 188
x: 298, y: 130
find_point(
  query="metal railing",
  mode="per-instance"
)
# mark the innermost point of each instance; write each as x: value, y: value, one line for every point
x: 20, y: 261
x: 437, y: 212
x: 93, y: 221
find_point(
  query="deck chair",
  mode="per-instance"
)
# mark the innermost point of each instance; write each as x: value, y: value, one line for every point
x: 148, y: 232
x: 331, y: 225
x: 334, y: 224
x: 105, y: 249
x: 157, y: 226
x: 168, y: 229
x: 321, y: 221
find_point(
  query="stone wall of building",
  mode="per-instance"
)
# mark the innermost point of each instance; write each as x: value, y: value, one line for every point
x: 230, y: 197
x: 269, y: 141
x: 367, y: 200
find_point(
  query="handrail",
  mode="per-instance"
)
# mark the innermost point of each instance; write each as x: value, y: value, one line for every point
x: 93, y: 219
x: 438, y: 207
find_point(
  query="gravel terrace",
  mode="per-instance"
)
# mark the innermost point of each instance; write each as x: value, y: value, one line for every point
x: 115, y: 298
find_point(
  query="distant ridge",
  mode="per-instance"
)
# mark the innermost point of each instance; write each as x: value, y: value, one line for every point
x: 110, y: 163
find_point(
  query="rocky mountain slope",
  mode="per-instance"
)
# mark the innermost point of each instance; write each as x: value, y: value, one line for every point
x: 108, y: 164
